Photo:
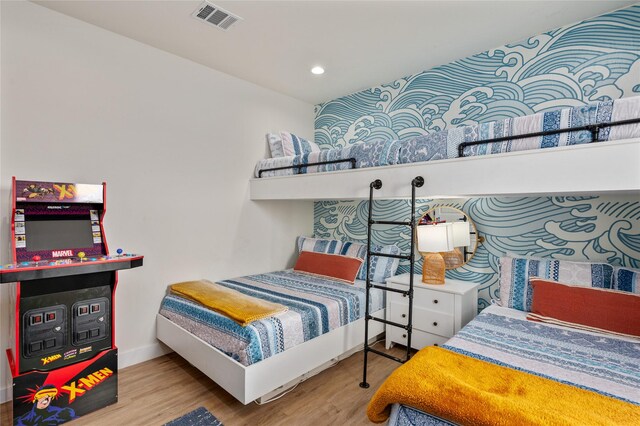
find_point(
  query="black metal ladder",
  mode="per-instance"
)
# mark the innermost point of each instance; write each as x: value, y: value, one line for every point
x: 417, y: 182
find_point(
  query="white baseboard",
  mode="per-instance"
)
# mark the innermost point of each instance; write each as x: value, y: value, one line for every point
x: 125, y: 359
x: 141, y: 354
x: 5, y: 394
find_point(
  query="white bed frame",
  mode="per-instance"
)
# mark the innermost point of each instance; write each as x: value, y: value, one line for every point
x: 271, y: 375
x: 591, y: 169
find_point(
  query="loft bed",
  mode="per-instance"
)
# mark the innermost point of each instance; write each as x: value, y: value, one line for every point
x: 580, y: 149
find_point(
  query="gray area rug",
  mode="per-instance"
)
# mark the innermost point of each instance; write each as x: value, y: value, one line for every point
x: 198, y: 417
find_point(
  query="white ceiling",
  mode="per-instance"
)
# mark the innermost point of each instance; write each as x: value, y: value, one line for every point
x: 360, y: 43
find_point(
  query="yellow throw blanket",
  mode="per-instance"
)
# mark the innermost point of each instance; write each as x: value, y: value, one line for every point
x: 469, y: 391
x: 239, y: 307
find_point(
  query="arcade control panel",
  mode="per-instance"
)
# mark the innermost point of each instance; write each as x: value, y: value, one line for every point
x: 48, y: 268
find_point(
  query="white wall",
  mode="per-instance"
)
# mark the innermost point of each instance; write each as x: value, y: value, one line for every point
x: 176, y: 143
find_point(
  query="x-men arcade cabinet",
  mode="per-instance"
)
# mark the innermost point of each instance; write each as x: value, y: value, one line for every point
x: 63, y: 358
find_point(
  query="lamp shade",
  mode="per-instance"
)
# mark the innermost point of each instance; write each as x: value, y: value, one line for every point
x: 461, y: 235
x: 435, y: 238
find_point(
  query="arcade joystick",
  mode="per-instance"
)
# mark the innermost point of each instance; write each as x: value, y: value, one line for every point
x: 36, y: 259
x: 119, y: 251
x: 81, y: 255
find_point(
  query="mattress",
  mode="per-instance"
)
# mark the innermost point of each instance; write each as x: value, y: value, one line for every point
x: 603, y: 363
x: 316, y: 305
x: 445, y: 144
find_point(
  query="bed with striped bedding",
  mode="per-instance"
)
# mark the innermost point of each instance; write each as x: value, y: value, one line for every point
x: 316, y: 305
x: 603, y: 363
x: 444, y: 144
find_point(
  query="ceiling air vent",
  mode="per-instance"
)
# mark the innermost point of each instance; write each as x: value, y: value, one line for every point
x: 213, y: 15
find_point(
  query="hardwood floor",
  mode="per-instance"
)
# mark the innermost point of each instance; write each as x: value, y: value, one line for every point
x: 157, y: 391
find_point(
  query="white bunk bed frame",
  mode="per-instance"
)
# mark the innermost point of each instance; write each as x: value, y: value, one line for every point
x: 611, y: 167
x: 591, y: 169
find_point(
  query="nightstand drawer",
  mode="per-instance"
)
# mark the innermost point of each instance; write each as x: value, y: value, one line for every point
x: 426, y: 298
x: 423, y: 319
x: 399, y: 312
x: 433, y: 322
x: 434, y: 300
x: 419, y: 339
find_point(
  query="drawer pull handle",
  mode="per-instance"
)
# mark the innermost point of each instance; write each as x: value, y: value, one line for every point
x: 404, y: 315
x: 435, y: 300
x: 404, y: 336
x: 435, y: 324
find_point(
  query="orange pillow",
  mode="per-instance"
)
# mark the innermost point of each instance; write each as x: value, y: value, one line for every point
x: 341, y: 268
x: 587, y: 308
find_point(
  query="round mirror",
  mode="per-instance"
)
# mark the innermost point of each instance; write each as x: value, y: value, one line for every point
x: 450, y: 232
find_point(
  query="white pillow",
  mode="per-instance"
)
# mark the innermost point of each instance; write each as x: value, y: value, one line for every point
x: 287, y: 144
x: 275, y: 145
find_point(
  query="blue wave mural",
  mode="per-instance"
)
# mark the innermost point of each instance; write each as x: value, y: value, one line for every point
x: 597, y: 59
x: 603, y: 229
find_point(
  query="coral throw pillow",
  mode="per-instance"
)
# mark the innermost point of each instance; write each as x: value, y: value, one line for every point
x: 586, y: 308
x: 341, y: 268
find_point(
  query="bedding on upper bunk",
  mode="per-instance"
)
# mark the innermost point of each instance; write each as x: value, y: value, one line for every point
x: 316, y: 305
x: 602, y: 363
x: 444, y: 144
x: 372, y: 154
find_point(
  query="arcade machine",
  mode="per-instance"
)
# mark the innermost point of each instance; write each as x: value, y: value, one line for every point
x: 63, y: 357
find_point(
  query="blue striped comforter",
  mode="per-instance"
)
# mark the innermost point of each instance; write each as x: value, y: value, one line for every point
x: 316, y: 306
x: 444, y: 144
x: 603, y: 363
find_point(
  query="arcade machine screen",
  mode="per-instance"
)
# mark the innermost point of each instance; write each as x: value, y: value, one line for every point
x: 47, y: 234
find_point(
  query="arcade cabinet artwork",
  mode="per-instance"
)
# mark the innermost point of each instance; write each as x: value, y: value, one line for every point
x: 64, y: 361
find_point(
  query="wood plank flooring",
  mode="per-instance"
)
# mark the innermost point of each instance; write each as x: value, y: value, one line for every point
x: 157, y: 391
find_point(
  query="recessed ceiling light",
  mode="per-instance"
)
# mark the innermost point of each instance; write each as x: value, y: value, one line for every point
x: 317, y: 70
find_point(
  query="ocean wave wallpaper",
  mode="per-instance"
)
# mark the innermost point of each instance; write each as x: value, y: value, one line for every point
x: 596, y: 59
x: 578, y: 228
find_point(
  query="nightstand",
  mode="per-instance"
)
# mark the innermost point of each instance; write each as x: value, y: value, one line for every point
x: 439, y: 311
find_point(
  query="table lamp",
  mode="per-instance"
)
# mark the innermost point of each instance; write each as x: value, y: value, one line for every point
x: 431, y: 240
x: 461, y: 234
x: 461, y: 239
